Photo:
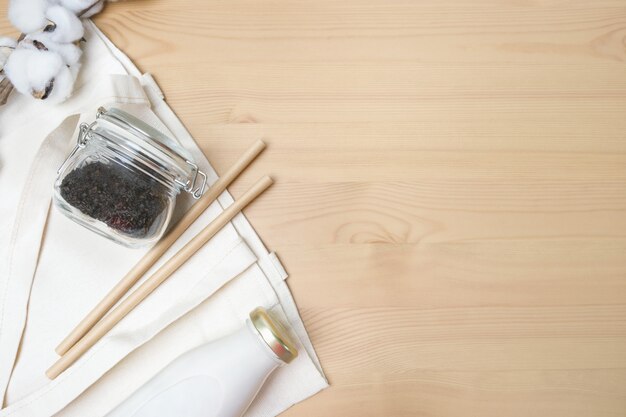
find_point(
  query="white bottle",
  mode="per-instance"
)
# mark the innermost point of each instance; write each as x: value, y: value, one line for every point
x: 219, y: 379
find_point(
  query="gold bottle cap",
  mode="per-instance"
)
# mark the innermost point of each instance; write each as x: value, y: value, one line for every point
x: 273, y: 334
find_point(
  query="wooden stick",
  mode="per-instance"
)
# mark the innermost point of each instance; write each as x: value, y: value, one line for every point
x: 156, y: 279
x: 159, y: 249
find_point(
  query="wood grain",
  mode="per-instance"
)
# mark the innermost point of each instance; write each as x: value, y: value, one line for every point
x: 451, y: 186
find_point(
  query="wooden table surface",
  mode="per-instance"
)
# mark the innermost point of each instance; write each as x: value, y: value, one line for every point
x: 451, y: 186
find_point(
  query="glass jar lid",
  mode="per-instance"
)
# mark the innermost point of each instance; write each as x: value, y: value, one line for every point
x: 151, y: 151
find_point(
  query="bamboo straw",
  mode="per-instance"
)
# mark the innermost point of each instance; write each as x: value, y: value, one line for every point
x: 156, y: 279
x: 159, y: 249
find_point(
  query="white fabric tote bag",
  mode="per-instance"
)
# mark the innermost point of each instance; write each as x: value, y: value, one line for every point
x: 54, y: 271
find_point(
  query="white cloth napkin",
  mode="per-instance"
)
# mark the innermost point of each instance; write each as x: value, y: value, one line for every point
x: 54, y: 270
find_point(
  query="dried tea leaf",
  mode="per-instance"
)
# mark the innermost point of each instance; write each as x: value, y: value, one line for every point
x: 125, y: 201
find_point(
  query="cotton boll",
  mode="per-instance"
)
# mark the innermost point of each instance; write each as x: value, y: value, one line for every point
x: 15, y: 69
x: 63, y: 85
x: 28, y: 15
x: 30, y: 69
x: 33, y: 72
x: 67, y: 27
x: 69, y: 52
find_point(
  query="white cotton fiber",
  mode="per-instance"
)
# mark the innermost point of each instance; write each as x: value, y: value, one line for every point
x: 77, y: 6
x: 68, y: 28
x: 63, y: 86
x: 7, y: 42
x: 7, y: 45
x: 45, y: 64
x: 45, y: 67
x: 28, y: 15
x: 69, y: 52
x: 3, y: 58
x: 31, y: 70
x: 15, y: 69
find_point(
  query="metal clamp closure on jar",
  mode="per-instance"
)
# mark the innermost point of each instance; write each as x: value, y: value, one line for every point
x: 148, y: 144
x: 123, y: 177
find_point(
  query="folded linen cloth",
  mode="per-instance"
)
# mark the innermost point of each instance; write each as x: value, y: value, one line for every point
x: 56, y: 270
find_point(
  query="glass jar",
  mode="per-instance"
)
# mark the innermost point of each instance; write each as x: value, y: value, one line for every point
x: 122, y: 179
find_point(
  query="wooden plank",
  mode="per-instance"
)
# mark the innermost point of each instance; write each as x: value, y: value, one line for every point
x: 491, y: 273
x: 451, y: 186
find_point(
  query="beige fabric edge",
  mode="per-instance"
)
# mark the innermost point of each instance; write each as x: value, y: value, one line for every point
x: 20, y: 264
x: 275, y: 274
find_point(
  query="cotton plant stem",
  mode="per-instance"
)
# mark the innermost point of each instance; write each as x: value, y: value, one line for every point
x: 5, y: 90
x: 155, y: 280
x: 159, y: 249
x: 5, y: 85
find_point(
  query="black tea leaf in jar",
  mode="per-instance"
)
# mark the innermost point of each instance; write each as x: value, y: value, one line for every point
x: 123, y: 177
x: 109, y: 193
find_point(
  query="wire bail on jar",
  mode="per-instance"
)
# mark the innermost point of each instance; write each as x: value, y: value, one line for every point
x: 81, y: 141
x: 190, y: 186
x: 195, y: 184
